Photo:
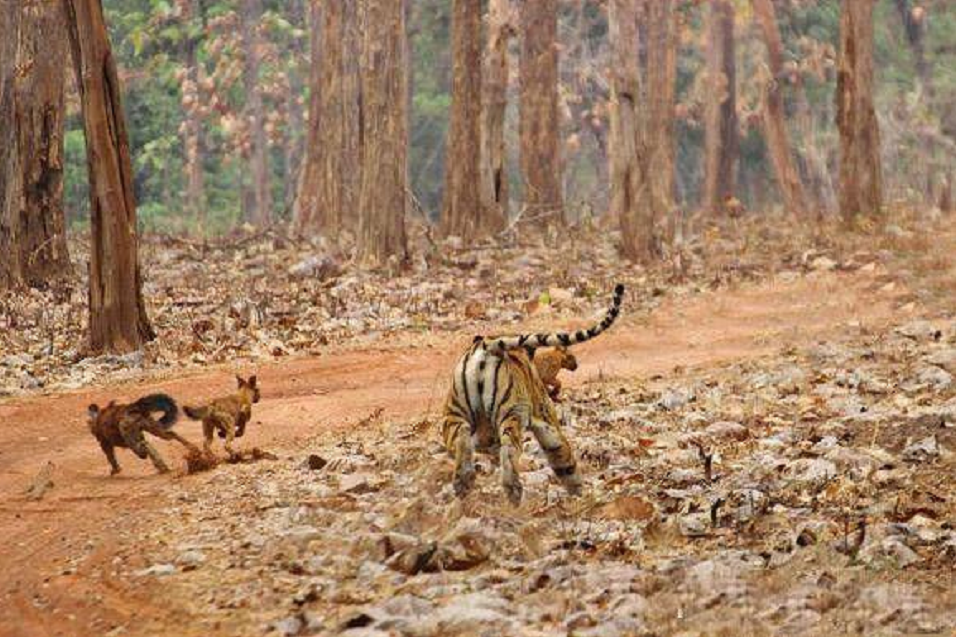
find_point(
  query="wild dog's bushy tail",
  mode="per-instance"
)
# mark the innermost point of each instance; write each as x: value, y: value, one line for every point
x: 499, y: 344
x: 196, y: 413
x: 159, y: 402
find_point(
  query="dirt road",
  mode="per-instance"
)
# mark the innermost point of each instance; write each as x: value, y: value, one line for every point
x: 41, y: 592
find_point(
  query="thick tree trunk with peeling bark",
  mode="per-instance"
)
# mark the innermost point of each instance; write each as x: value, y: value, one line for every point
x: 462, y: 214
x: 118, y: 321
x: 494, y: 103
x: 861, y: 177
x: 332, y: 179
x: 259, y: 201
x: 32, y: 224
x: 540, y: 126
x: 383, y: 200
x: 774, y: 116
x: 721, y: 145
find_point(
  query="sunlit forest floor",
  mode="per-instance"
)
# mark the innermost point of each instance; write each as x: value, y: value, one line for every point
x: 811, y: 371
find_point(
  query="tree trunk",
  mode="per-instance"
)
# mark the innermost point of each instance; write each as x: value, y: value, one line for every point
x: 260, y: 199
x: 540, y: 126
x: 193, y: 142
x: 494, y: 103
x: 118, y: 321
x: 661, y: 73
x: 331, y: 183
x: 774, y: 117
x: 305, y: 210
x: 721, y: 145
x: 32, y: 224
x: 860, y: 171
x: 624, y: 71
x: 462, y: 214
x: 382, y: 201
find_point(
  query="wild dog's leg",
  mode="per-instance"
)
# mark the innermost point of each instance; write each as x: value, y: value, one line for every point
x: 510, y: 433
x: 456, y: 433
x: 156, y: 458
x: 169, y: 434
x: 111, y: 456
x: 131, y: 429
x: 230, y: 428
x: 208, y: 431
x: 558, y: 452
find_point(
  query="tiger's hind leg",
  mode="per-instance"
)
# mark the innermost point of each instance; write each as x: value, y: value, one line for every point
x: 456, y: 433
x: 510, y: 453
x: 559, y: 454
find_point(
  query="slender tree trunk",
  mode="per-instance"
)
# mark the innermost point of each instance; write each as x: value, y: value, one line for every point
x: 914, y: 22
x: 624, y: 71
x: 494, y: 103
x: 118, y: 320
x: 661, y: 74
x: 33, y: 247
x: 540, y: 126
x: 774, y: 116
x: 462, y: 214
x: 861, y: 178
x: 9, y: 158
x: 305, y: 210
x: 382, y: 201
x: 193, y: 138
x: 721, y: 145
x: 260, y: 199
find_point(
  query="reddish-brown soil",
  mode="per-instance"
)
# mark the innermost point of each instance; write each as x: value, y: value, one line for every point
x: 40, y: 595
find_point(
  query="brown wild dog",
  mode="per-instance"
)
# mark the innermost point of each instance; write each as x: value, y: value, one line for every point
x: 549, y: 363
x: 227, y: 415
x: 497, y: 393
x: 124, y: 426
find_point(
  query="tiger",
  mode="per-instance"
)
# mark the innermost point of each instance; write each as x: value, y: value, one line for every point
x: 496, y: 393
x: 549, y: 363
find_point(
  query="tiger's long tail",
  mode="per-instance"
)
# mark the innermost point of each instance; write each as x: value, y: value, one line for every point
x: 499, y: 344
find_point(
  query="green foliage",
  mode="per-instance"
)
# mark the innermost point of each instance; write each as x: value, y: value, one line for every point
x: 150, y: 39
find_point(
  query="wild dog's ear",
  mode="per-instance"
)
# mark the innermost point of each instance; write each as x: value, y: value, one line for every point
x: 240, y: 380
x: 93, y: 411
x: 252, y: 381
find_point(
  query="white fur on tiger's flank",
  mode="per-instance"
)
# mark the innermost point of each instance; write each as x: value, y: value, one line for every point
x: 531, y: 342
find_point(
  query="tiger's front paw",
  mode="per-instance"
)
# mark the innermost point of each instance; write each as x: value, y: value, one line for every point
x: 464, y: 480
x: 514, y: 491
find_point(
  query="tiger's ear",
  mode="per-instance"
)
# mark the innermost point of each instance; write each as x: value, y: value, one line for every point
x: 252, y: 381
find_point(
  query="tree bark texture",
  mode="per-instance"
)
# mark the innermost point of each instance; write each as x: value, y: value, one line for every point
x: 774, y: 115
x: 540, y: 126
x: 383, y: 200
x: 462, y: 213
x: 259, y: 203
x: 721, y: 142
x: 305, y: 210
x: 33, y: 248
x: 333, y: 177
x: 118, y: 320
x: 861, y: 178
x: 663, y: 23
x: 494, y: 103
x: 193, y: 138
x: 632, y: 199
